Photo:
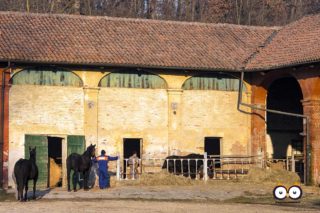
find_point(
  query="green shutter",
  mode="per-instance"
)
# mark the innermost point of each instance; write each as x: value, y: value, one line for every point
x: 133, y: 79
x: 75, y: 144
x: 49, y: 76
x: 41, y: 143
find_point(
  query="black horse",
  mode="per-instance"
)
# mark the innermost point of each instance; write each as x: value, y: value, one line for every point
x: 80, y: 164
x: 25, y: 170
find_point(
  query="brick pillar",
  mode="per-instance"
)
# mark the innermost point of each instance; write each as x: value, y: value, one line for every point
x: 4, y: 112
x: 258, y: 123
x: 311, y: 108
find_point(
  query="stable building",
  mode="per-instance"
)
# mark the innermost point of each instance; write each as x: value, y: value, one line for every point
x: 157, y: 87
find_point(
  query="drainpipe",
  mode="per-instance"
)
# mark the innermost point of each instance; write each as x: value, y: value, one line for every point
x: 306, y: 120
x: 2, y: 121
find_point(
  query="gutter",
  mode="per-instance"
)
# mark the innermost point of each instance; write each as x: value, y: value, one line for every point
x: 306, y: 120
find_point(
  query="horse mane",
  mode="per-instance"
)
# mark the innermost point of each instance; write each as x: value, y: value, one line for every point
x: 87, y: 152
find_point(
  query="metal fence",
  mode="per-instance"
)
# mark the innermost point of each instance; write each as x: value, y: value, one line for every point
x: 293, y: 163
x: 208, y: 167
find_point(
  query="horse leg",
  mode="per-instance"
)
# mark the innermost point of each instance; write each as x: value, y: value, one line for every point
x: 68, y: 175
x: 34, y: 188
x: 75, y: 181
x: 68, y: 179
x: 26, y: 190
x: 85, y: 180
x: 18, y: 190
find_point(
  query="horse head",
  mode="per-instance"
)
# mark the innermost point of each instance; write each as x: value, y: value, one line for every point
x: 32, y: 153
x: 91, y: 150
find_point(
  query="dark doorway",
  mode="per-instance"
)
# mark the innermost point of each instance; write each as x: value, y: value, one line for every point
x: 212, y: 145
x: 284, y: 95
x: 212, y: 148
x: 55, y: 162
x: 130, y: 145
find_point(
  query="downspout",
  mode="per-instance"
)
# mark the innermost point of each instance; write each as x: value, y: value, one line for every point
x: 306, y: 120
x: 2, y: 120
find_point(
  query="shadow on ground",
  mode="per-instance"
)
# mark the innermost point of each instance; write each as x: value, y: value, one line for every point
x: 11, y: 195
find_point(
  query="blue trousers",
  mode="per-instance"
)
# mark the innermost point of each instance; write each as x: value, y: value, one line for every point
x: 104, y: 179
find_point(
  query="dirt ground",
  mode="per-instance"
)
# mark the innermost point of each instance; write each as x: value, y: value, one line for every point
x: 141, y: 206
x: 222, y: 196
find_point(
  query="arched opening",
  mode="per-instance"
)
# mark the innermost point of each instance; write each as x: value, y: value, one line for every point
x: 285, y: 94
x: 49, y: 76
x: 216, y: 81
x: 133, y: 79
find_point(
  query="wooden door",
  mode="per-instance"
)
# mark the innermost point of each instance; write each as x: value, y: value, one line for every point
x: 75, y: 144
x: 41, y: 144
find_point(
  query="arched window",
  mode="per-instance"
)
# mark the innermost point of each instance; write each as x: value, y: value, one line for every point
x: 222, y: 82
x: 133, y: 79
x: 50, y: 76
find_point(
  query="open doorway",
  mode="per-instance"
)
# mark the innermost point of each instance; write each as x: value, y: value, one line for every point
x: 130, y: 145
x: 285, y: 94
x: 212, y: 146
x: 54, y: 162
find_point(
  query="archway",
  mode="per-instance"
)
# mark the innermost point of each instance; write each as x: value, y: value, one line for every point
x: 285, y: 95
x: 48, y: 76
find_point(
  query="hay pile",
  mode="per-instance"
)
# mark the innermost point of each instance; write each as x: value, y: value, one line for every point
x: 274, y: 176
x: 55, y: 173
x: 159, y: 179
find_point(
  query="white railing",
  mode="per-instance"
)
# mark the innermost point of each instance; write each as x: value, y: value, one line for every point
x: 214, y: 167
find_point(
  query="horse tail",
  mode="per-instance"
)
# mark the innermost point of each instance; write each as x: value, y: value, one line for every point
x: 15, y: 183
x: 14, y: 178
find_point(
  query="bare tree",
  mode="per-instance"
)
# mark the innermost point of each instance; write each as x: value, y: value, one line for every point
x: 249, y: 12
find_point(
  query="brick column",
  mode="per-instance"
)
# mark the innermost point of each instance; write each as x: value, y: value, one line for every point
x: 311, y: 108
x: 258, y: 123
x: 4, y: 114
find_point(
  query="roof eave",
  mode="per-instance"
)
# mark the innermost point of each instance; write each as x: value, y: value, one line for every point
x: 281, y: 66
x: 120, y: 65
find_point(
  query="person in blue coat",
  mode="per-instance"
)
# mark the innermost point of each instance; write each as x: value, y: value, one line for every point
x: 104, y: 177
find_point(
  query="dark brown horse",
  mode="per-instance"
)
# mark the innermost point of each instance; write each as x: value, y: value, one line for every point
x: 80, y: 164
x: 25, y: 170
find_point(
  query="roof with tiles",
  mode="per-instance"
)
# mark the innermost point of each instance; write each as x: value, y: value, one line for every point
x: 295, y: 44
x: 105, y: 41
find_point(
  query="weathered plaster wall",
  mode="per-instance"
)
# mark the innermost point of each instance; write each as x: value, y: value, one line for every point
x: 213, y: 114
x: 48, y: 110
x: 133, y: 113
